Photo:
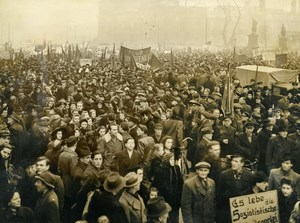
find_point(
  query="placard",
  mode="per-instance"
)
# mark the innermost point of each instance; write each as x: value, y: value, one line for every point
x: 255, y: 208
x: 84, y: 62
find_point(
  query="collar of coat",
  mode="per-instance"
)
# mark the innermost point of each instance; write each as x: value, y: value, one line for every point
x: 107, y: 137
x: 133, y: 201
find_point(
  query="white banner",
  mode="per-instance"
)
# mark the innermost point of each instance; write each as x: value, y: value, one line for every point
x: 255, y: 208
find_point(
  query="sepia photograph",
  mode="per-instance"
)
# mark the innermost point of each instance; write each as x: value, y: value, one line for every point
x: 149, y: 111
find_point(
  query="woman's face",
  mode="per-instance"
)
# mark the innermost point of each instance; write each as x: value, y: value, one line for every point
x: 98, y: 160
x: 286, y: 190
x: 76, y: 133
x: 102, y: 132
x: 59, y: 135
x: 84, y: 125
x: 168, y: 143
x: 15, y: 201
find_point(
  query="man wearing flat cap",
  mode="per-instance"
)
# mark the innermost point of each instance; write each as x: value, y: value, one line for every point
x: 198, y: 196
x: 46, y: 210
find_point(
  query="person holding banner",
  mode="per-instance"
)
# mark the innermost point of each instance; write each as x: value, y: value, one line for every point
x: 233, y: 182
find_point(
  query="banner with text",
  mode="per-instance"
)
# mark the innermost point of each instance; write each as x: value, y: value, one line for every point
x: 140, y: 56
x: 256, y: 208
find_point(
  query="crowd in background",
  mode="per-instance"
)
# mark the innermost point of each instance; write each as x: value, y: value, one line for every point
x: 105, y: 143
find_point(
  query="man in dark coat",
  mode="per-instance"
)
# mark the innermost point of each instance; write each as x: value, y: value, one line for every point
x: 46, y: 210
x: 26, y: 186
x: 277, y: 146
x: 236, y: 181
x: 43, y: 165
x: 226, y: 136
x: 18, y: 137
x: 110, y: 144
x: 128, y: 158
x: 107, y: 202
x: 198, y: 197
x: 247, y: 142
x: 294, y: 138
x: 263, y: 138
x: 174, y: 127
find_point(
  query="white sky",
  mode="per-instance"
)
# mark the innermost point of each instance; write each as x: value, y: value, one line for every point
x: 71, y: 19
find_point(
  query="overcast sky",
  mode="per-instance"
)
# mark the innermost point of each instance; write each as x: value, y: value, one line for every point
x: 71, y: 19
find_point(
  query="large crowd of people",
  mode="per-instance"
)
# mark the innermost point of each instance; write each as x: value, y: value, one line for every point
x: 105, y: 143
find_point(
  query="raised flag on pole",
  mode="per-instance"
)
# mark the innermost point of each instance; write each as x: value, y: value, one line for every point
x: 155, y: 63
x: 172, y: 60
x: 141, y: 56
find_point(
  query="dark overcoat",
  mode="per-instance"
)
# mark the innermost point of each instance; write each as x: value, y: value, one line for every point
x: 198, y: 204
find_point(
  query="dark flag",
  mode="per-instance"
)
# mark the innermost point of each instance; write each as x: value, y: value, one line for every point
x: 69, y: 54
x: 48, y: 53
x: 78, y: 54
x: 63, y: 52
x: 155, y: 63
x: 132, y: 63
x: 140, y: 56
x: 172, y: 60
x: 281, y: 59
x: 113, y: 58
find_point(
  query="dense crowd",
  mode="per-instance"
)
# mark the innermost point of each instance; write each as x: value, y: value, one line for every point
x: 105, y: 143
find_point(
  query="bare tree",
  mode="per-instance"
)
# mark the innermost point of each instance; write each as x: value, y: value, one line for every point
x: 227, y: 9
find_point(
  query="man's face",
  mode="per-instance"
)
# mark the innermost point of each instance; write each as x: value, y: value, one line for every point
x: 286, y: 165
x: 249, y: 130
x: 79, y: 106
x: 31, y: 170
x: 86, y: 159
x: 158, y: 131
x: 262, y: 185
x: 216, y: 114
x: 114, y: 130
x: 76, y: 119
x: 5, y: 153
x: 130, y: 144
x: 4, y: 139
x: 283, y: 134
x: 236, y: 163
x: 227, y: 122
x: 41, y: 166
x: 39, y: 186
x: 140, y: 173
x: 202, y: 172
x: 215, y: 151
